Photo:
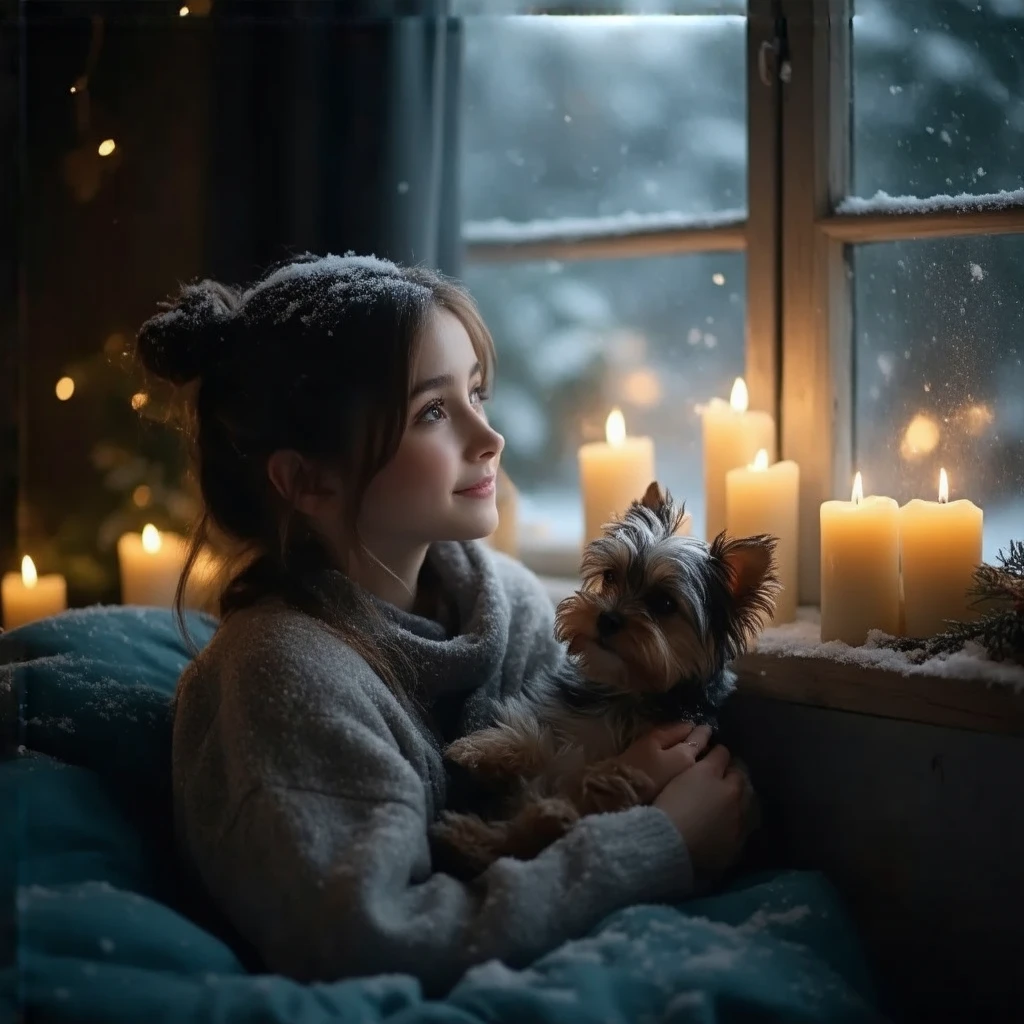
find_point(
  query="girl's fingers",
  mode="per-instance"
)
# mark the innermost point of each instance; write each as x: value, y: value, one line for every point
x: 716, y: 760
x: 670, y: 735
x: 699, y: 739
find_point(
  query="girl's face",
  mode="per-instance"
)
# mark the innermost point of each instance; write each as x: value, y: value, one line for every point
x: 440, y: 483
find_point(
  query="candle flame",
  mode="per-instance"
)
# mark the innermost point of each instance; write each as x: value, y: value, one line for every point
x: 760, y: 459
x: 615, y: 427
x: 28, y: 572
x: 151, y: 539
x: 739, y: 399
x: 943, y: 487
x: 858, y: 490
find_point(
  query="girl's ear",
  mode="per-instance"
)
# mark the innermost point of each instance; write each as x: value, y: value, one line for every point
x: 303, y: 484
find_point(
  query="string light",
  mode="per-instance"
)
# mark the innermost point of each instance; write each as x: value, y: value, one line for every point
x: 139, y: 399
x: 106, y: 147
x: 183, y: 12
x: 65, y: 388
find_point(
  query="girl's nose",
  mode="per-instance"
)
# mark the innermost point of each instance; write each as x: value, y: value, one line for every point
x: 488, y: 444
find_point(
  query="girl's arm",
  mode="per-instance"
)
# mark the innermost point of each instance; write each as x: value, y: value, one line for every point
x: 297, y: 800
x: 327, y: 886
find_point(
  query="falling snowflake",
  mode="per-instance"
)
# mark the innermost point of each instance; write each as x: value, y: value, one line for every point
x: 977, y: 273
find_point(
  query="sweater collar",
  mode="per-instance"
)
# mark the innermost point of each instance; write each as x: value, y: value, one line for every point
x: 461, y: 654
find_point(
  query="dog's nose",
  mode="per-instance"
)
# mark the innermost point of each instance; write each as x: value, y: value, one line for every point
x: 608, y: 623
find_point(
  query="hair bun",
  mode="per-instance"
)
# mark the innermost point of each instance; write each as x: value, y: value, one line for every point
x: 180, y: 343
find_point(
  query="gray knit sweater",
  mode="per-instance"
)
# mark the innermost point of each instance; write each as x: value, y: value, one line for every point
x: 303, y: 790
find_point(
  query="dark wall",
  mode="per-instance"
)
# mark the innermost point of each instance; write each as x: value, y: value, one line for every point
x: 922, y: 830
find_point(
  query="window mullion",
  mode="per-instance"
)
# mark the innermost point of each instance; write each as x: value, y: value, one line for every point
x: 817, y: 366
x: 763, y: 205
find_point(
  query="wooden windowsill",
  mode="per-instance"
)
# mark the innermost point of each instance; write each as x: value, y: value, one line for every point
x: 791, y: 671
x: 932, y: 699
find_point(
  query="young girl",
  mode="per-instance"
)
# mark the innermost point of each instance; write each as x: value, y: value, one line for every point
x: 340, y: 440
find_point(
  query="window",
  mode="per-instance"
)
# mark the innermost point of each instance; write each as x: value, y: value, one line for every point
x: 939, y: 372
x: 653, y: 336
x: 605, y: 194
x: 876, y: 237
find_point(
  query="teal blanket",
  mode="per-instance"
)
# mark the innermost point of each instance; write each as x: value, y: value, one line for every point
x: 105, y: 931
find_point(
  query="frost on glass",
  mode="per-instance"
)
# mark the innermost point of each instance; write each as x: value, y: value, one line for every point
x: 591, y: 117
x: 937, y: 102
x: 655, y: 337
x: 939, y: 378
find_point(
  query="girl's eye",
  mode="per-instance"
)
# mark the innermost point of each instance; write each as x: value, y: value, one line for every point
x: 608, y: 576
x: 480, y: 394
x: 660, y: 603
x: 428, y: 414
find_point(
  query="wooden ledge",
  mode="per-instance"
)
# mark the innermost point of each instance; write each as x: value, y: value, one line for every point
x: 935, y: 700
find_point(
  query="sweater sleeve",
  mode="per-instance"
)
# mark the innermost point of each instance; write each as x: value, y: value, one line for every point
x: 328, y: 885
x: 316, y: 845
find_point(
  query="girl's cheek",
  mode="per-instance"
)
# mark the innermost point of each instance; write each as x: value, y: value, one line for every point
x: 421, y: 464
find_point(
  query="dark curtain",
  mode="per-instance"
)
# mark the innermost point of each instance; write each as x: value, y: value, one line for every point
x: 11, y: 365
x: 335, y: 127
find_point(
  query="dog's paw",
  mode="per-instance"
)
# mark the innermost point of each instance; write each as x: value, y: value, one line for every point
x: 465, y: 751
x: 465, y: 845
x: 608, y: 786
x: 493, y: 752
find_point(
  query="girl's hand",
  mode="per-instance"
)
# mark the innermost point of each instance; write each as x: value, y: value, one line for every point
x: 666, y: 751
x: 711, y: 805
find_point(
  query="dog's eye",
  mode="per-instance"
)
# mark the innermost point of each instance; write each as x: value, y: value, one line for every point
x: 660, y: 603
x: 608, y: 577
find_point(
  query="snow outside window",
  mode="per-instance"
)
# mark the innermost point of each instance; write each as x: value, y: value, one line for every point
x: 587, y: 127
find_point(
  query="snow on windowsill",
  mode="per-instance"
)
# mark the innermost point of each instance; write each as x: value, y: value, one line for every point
x: 802, y: 639
x: 502, y: 231
x: 965, y: 202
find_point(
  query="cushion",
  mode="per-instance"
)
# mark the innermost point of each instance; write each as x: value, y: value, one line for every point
x: 93, y: 687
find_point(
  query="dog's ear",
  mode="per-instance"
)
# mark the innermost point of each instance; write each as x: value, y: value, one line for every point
x: 654, y: 497
x: 751, y: 576
x: 660, y: 502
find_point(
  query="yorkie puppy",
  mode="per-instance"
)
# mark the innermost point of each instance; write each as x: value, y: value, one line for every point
x: 650, y: 633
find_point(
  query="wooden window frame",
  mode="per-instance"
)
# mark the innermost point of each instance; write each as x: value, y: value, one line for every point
x: 799, y: 315
x: 817, y: 382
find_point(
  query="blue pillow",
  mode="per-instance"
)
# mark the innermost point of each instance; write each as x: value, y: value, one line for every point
x: 94, y: 687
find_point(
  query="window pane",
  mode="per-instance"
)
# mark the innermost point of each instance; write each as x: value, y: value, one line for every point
x: 938, y: 107
x: 654, y: 336
x: 588, y: 117
x: 940, y: 373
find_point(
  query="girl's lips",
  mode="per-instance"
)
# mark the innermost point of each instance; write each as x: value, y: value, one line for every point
x: 484, y: 489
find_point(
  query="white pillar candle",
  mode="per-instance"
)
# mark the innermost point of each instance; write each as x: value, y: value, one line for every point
x: 860, y: 566
x: 150, y: 565
x: 28, y: 596
x: 760, y: 498
x: 732, y: 438
x: 613, y: 473
x: 940, y: 547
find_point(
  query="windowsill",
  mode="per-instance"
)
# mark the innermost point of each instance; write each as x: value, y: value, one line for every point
x: 790, y: 664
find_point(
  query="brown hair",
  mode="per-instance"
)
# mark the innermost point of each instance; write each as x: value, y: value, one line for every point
x: 316, y: 356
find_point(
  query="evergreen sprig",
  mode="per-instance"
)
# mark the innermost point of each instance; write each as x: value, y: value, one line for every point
x: 999, y: 590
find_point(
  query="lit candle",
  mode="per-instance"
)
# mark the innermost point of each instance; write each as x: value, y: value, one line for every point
x: 28, y: 596
x: 760, y: 498
x: 860, y: 566
x: 732, y: 438
x: 150, y: 565
x: 613, y: 473
x: 940, y: 547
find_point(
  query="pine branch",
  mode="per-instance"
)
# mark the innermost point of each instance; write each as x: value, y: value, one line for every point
x: 1000, y: 630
